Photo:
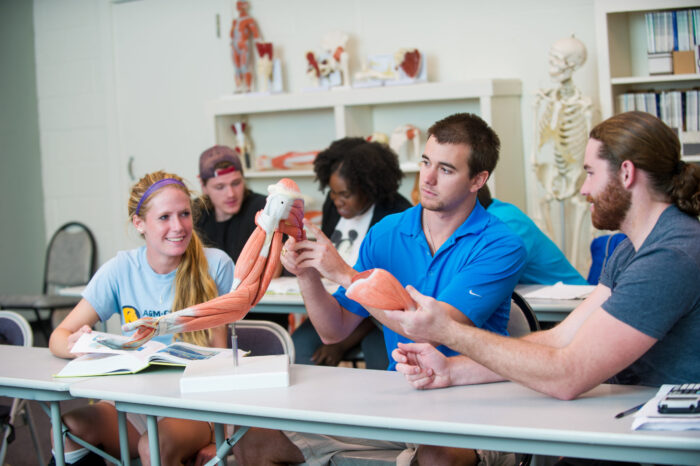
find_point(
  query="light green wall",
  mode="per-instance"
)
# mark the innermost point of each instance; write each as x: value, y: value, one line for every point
x: 22, y: 238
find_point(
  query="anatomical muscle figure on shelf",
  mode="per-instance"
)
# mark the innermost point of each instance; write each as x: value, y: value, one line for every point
x: 243, y: 31
x: 563, y: 121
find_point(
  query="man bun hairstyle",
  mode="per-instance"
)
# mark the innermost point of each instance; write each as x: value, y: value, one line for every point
x: 653, y: 147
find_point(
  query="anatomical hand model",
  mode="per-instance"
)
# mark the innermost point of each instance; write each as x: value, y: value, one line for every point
x: 283, y: 214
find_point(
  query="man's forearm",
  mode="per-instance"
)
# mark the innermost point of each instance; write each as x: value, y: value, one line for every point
x: 326, y: 314
x: 465, y: 371
x: 539, y: 366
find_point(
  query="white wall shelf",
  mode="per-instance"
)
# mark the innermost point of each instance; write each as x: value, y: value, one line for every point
x: 306, y: 121
x: 661, y: 79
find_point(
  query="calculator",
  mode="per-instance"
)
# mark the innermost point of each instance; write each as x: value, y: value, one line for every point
x: 682, y: 399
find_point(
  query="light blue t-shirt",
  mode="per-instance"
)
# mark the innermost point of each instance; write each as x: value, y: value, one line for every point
x: 126, y: 284
x: 545, y: 263
x: 475, y: 270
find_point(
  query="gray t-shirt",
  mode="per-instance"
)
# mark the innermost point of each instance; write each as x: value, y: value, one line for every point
x: 657, y: 291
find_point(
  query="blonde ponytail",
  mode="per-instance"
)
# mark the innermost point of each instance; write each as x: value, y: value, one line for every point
x: 193, y: 284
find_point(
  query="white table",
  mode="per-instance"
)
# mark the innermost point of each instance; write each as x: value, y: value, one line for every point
x: 381, y: 405
x: 27, y: 373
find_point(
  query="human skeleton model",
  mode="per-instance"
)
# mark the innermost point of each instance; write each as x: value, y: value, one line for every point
x: 283, y: 214
x: 243, y: 29
x: 563, y: 119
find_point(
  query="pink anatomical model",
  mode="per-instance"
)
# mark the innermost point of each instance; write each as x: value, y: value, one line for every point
x: 379, y: 289
x: 243, y: 30
x: 286, y: 161
x: 283, y: 214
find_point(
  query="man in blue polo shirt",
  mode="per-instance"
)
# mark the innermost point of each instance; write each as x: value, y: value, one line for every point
x: 448, y: 247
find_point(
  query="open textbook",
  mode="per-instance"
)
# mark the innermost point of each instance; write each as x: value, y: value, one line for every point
x: 101, y: 357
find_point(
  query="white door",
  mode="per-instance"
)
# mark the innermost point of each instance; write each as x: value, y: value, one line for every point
x: 170, y: 58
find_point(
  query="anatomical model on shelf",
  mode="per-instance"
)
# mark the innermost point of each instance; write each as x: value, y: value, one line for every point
x: 243, y: 31
x: 287, y: 161
x: 268, y: 69
x: 406, y: 66
x: 257, y: 263
x: 563, y: 121
x: 330, y: 68
x: 243, y: 145
x: 405, y: 141
x: 379, y: 137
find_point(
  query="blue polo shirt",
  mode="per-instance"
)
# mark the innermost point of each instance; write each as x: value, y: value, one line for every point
x: 475, y: 270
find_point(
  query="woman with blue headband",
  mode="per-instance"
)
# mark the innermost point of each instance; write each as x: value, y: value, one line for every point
x: 171, y: 271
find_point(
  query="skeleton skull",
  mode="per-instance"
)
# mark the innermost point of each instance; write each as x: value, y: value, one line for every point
x: 566, y: 56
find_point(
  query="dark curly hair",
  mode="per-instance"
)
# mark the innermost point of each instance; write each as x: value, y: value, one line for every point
x: 370, y: 168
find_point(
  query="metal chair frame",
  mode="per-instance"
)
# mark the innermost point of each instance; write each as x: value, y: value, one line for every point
x: 49, y: 300
x: 20, y: 407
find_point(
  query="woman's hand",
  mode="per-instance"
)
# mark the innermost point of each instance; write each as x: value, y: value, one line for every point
x: 75, y: 336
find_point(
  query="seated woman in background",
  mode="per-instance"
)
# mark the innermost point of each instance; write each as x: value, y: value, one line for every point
x: 363, y: 180
x: 171, y: 272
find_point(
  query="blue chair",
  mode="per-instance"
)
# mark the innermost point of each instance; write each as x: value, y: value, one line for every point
x: 602, y: 248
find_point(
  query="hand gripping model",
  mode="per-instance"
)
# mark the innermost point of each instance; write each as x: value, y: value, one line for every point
x: 380, y: 289
x: 283, y: 214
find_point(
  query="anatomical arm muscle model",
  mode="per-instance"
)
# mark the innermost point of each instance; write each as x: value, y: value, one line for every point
x: 283, y: 214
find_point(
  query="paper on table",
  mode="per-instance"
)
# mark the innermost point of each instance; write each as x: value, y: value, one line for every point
x: 560, y: 291
x: 649, y: 417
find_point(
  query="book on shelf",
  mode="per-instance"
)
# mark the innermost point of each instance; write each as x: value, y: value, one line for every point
x: 679, y: 109
x: 671, y: 32
x: 100, y: 355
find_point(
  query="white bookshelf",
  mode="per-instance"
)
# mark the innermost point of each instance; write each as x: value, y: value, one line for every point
x: 306, y: 121
x: 622, y: 52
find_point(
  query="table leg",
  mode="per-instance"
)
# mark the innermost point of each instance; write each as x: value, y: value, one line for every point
x: 225, y: 447
x: 220, y: 439
x: 57, y: 426
x: 153, y: 444
x: 123, y: 439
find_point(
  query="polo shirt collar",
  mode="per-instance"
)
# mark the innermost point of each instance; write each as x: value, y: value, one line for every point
x: 475, y: 223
